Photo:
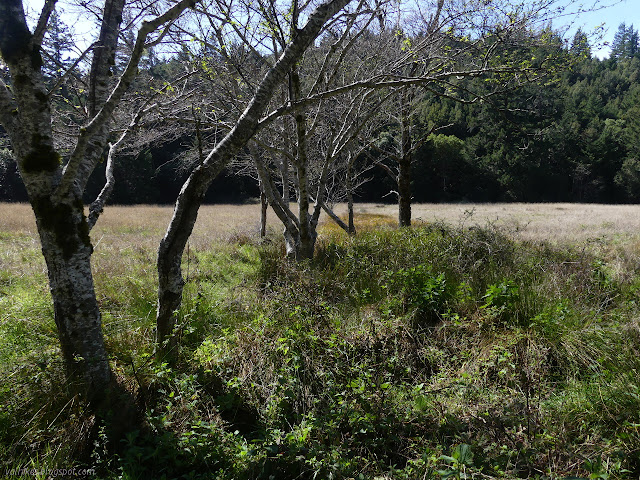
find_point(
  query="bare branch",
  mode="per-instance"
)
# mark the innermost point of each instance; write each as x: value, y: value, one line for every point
x: 78, y: 168
x: 390, y: 172
x: 41, y: 27
x: 335, y: 217
x: 68, y: 72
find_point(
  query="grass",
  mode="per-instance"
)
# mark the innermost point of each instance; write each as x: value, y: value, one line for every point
x: 449, y: 350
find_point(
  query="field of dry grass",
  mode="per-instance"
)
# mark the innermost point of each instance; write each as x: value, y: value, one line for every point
x: 555, y: 222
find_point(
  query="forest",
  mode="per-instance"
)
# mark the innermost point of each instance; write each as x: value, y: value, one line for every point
x: 575, y: 141
x: 171, y: 343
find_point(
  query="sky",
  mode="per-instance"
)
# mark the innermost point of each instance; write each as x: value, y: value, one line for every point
x: 609, y: 18
x: 627, y: 11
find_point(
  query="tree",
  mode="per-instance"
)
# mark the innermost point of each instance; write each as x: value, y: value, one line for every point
x: 469, y: 40
x: 625, y: 42
x: 55, y: 178
x: 298, y: 39
x: 57, y: 46
x: 398, y: 154
x: 580, y: 45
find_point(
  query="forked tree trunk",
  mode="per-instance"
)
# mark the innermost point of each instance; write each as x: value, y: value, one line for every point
x: 55, y: 190
x: 62, y: 226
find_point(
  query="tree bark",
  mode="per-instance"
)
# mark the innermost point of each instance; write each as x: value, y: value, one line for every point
x: 305, y: 243
x: 404, y: 169
x: 60, y: 219
x: 64, y: 235
x: 264, y: 205
x: 55, y: 190
x: 404, y: 192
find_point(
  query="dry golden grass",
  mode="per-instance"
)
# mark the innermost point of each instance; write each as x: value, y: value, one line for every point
x: 143, y: 226
x: 555, y: 222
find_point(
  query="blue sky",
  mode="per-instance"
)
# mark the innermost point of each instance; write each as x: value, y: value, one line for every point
x: 627, y: 11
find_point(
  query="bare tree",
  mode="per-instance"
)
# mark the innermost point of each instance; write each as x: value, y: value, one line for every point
x: 451, y: 41
x: 440, y: 55
x: 55, y: 178
x: 297, y: 40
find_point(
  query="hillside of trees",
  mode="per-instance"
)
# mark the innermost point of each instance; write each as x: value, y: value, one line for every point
x: 572, y: 138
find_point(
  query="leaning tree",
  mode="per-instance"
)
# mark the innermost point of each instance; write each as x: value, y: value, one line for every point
x: 299, y: 28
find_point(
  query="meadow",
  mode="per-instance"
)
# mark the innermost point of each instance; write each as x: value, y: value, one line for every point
x: 487, y: 341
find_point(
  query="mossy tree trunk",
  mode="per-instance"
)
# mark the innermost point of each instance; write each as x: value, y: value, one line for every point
x: 60, y: 219
x: 66, y: 247
x: 55, y: 189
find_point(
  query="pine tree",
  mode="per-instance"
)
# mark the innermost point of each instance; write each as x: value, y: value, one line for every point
x: 625, y: 42
x: 580, y: 45
x: 57, y: 44
x: 633, y: 42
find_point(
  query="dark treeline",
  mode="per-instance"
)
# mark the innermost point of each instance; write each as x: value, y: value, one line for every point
x: 575, y: 138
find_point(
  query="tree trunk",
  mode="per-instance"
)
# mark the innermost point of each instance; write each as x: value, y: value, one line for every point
x: 404, y: 193
x: 169, y: 263
x: 55, y: 189
x: 298, y: 246
x: 264, y: 205
x: 306, y: 240
x: 67, y: 249
x: 352, y: 227
x: 404, y: 171
x: 307, y: 245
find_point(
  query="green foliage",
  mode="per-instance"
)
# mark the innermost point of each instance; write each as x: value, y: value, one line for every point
x: 625, y: 42
x: 432, y: 352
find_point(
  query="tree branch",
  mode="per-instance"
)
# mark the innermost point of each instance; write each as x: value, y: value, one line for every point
x: 281, y: 209
x: 334, y: 217
x: 73, y: 173
x: 41, y: 28
x: 70, y: 69
x: 390, y: 81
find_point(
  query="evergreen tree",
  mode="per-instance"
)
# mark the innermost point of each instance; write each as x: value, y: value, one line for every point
x: 57, y: 44
x: 625, y: 42
x: 580, y: 45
